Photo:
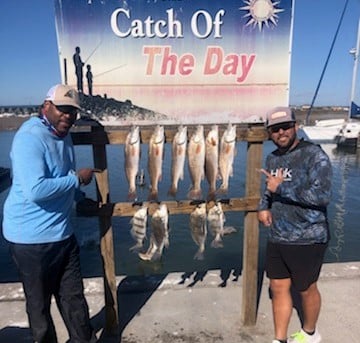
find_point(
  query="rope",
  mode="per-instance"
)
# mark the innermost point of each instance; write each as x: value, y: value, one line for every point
x: 326, y: 63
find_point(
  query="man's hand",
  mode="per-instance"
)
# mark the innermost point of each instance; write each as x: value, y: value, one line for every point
x: 272, y: 182
x: 85, y: 175
x: 265, y: 217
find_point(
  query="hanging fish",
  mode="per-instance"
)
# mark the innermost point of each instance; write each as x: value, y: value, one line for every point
x: 198, y: 229
x: 132, y: 159
x: 196, y: 157
x: 138, y: 228
x: 226, y: 157
x: 179, y: 145
x: 216, y: 221
x: 212, y: 160
x: 155, y: 160
x: 159, y: 234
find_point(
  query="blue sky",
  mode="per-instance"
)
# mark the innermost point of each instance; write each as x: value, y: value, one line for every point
x: 29, y: 63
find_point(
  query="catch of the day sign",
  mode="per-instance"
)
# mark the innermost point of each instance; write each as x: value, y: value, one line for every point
x: 168, y: 56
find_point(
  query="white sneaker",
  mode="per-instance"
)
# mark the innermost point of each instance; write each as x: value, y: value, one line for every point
x: 302, y: 337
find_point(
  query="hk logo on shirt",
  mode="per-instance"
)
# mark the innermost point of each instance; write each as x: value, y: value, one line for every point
x: 286, y: 173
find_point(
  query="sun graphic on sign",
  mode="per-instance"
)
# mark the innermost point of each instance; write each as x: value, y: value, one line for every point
x: 261, y: 12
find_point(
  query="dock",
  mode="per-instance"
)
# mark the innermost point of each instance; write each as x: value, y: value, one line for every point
x: 195, y: 308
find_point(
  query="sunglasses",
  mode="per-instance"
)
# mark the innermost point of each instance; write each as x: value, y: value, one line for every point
x: 67, y: 110
x: 283, y: 126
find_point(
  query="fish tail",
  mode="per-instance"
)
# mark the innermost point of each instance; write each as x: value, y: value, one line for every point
x: 217, y: 243
x: 199, y: 255
x: 153, y: 195
x: 211, y: 195
x: 145, y: 256
x: 228, y: 230
x: 148, y: 256
x: 195, y: 194
x: 137, y: 247
x: 223, y: 189
x: 131, y: 195
x: 172, y: 191
x: 156, y: 256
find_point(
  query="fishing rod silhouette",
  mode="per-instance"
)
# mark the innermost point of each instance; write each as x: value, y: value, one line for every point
x: 92, y: 53
x: 110, y: 70
x: 107, y: 71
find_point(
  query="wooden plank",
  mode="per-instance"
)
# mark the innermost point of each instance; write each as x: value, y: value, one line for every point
x: 251, y: 237
x: 128, y: 209
x: 244, y: 132
x: 106, y: 239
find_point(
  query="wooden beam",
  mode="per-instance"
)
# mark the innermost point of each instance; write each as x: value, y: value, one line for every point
x: 251, y: 237
x: 128, y: 209
x: 244, y: 132
x: 106, y: 239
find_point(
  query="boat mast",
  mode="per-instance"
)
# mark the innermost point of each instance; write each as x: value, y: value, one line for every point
x: 355, y: 52
x: 326, y: 63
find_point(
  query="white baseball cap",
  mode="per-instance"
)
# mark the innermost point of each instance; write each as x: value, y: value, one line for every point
x: 63, y: 95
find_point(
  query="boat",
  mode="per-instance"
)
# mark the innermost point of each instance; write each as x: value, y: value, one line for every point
x: 342, y: 132
x: 324, y: 131
x: 348, y: 135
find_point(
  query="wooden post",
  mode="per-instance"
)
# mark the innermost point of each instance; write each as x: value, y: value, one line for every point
x: 251, y: 237
x: 99, y: 138
x: 106, y: 243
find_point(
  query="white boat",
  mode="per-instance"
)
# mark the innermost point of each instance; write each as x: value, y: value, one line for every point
x: 324, y: 131
x: 348, y: 136
x: 345, y: 133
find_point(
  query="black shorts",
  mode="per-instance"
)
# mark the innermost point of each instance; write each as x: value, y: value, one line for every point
x: 300, y: 263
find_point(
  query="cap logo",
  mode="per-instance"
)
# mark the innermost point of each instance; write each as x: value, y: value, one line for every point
x: 70, y: 94
x: 278, y: 115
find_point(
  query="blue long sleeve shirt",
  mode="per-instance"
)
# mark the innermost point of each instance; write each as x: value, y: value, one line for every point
x: 299, y: 205
x: 44, y: 186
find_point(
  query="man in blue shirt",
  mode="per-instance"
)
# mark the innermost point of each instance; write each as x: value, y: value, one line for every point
x: 293, y: 207
x: 37, y: 215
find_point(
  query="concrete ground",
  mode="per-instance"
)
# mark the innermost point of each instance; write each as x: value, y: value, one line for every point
x: 195, y: 308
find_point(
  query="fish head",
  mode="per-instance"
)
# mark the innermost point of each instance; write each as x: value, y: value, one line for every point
x: 142, y: 212
x: 216, y: 209
x: 230, y: 134
x: 163, y: 210
x: 181, y: 135
x: 202, y: 209
x: 134, y: 135
x: 212, y: 137
x: 198, y: 134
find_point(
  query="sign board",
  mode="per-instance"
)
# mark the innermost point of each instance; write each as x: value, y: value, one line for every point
x: 193, y: 61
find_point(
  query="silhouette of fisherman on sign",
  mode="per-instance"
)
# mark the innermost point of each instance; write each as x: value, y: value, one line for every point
x: 89, y: 77
x: 78, y: 69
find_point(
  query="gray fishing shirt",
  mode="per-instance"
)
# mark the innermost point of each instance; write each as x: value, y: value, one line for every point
x: 299, y: 204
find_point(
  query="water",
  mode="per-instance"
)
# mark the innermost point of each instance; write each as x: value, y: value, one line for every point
x: 343, y: 216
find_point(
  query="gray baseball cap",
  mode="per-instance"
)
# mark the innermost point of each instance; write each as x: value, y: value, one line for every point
x: 280, y: 115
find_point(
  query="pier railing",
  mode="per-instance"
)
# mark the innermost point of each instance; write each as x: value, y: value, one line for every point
x: 98, y: 137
